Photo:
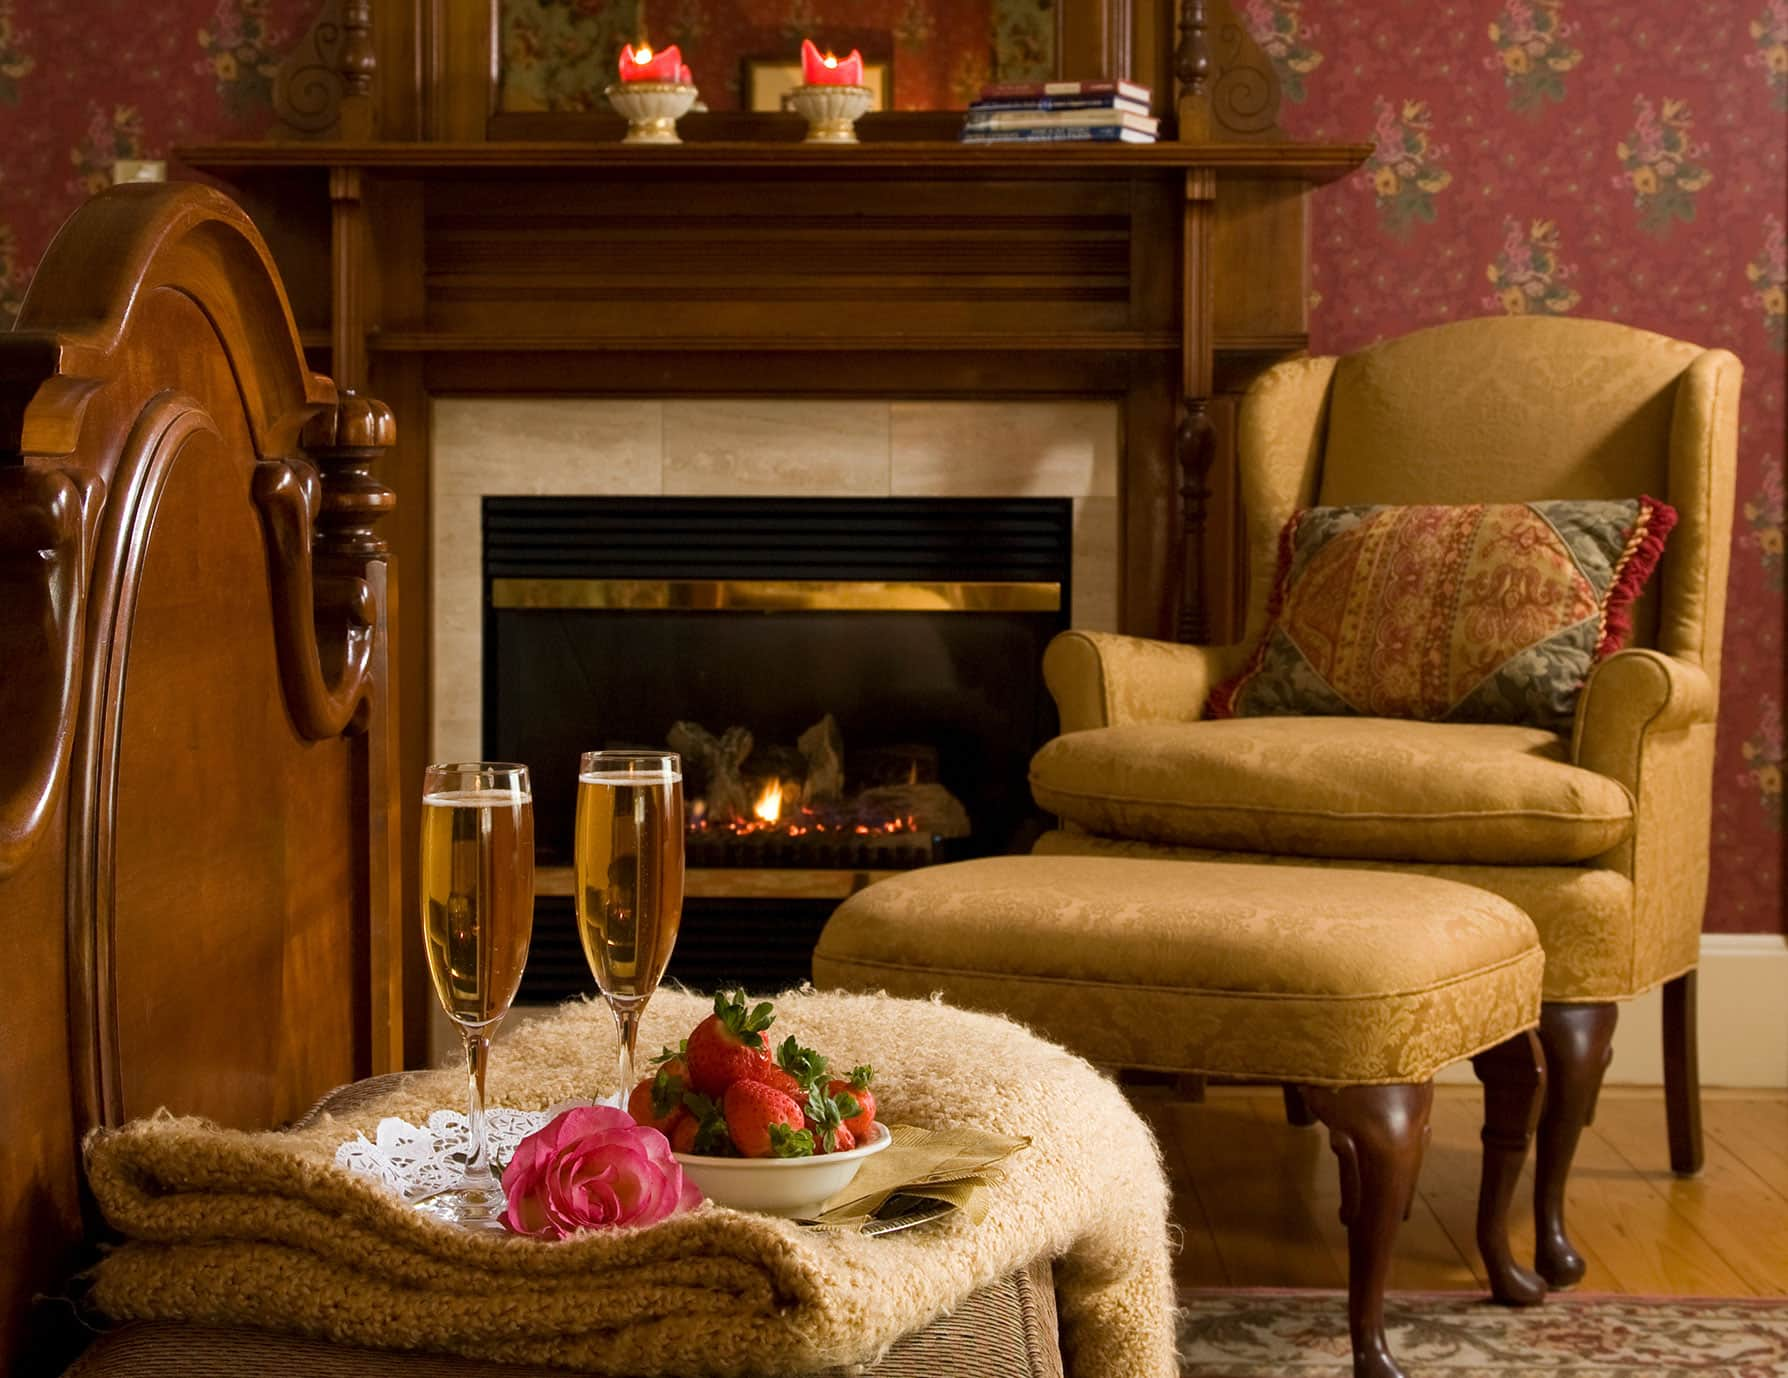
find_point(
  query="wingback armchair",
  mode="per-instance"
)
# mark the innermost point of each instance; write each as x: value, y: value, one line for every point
x: 1601, y: 836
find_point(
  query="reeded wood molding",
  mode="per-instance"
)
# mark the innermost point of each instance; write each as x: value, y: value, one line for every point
x: 1312, y: 163
x: 48, y: 519
x: 319, y: 526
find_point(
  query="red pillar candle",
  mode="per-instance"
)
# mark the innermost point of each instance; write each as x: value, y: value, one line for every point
x: 645, y: 65
x: 828, y: 70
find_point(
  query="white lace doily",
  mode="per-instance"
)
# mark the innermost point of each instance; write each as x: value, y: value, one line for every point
x: 417, y: 1160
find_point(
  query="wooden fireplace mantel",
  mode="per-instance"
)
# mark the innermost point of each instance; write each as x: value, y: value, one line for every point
x: 474, y: 252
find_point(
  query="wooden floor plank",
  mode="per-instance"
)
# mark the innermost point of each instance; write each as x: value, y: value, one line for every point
x: 1426, y: 1258
x: 1197, y: 1263
x: 1756, y: 1133
x: 1246, y: 1182
x: 1742, y: 1217
x: 1257, y: 1199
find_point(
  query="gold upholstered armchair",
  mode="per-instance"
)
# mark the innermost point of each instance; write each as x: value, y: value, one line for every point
x: 1599, y: 831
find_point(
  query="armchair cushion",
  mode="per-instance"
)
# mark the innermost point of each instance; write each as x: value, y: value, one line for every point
x: 1366, y: 788
x: 1480, y: 612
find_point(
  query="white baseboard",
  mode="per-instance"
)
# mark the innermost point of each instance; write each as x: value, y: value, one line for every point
x: 1743, y: 1000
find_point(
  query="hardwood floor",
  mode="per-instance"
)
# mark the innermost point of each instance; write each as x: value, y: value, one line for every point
x: 1258, y: 1200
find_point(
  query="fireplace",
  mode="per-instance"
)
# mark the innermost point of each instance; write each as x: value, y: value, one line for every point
x: 854, y: 685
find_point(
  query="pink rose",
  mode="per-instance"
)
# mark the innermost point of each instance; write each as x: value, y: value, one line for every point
x: 589, y: 1168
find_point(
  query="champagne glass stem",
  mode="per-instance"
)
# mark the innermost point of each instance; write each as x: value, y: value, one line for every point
x: 478, y: 1175
x: 627, y: 1015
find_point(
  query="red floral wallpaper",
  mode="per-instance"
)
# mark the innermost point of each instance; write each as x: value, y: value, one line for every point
x: 560, y: 54
x: 1613, y: 158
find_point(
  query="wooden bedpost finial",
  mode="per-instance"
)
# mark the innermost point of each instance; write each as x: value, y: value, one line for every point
x: 344, y: 442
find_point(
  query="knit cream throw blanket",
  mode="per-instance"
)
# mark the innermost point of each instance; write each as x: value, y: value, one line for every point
x: 225, y: 1227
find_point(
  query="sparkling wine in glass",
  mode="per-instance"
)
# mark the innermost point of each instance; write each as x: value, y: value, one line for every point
x: 629, y: 880
x: 477, y: 917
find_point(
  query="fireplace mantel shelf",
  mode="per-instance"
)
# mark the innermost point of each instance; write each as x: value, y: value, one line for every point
x: 1312, y: 163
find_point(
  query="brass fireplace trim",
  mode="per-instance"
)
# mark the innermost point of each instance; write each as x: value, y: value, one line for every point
x: 776, y: 595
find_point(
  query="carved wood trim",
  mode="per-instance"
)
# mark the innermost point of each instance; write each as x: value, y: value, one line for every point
x: 156, y: 436
x: 47, y: 523
x: 1228, y: 90
x: 319, y: 530
x: 323, y: 87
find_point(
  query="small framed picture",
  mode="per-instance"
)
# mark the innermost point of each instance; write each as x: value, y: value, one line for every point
x: 769, y: 80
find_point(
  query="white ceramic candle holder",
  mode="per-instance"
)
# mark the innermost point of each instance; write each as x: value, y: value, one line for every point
x: 651, y: 109
x: 831, y: 111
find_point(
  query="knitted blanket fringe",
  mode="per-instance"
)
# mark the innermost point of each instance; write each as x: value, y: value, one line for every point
x: 230, y: 1228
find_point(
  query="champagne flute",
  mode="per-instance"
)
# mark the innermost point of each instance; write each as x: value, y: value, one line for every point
x: 629, y: 880
x: 477, y: 917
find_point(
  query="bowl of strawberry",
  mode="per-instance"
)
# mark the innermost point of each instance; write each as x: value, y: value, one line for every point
x: 759, y: 1127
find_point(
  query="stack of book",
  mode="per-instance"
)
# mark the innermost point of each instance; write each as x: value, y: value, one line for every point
x: 1061, y: 112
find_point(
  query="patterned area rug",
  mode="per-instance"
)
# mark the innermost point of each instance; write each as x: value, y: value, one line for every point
x: 1293, y: 1334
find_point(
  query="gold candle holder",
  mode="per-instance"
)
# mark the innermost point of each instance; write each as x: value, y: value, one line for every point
x: 831, y: 111
x: 651, y: 109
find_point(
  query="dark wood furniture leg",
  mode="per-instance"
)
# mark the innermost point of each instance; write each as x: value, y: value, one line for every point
x: 1682, y: 1075
x: 1378, y: 1134
x: 1578, y: 1042
x: 1297, y: 1111
x: 1514, y: 1077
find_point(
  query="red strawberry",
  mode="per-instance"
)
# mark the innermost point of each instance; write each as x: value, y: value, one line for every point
x: 728, y: 1044
x: 639, y: 1105
x: 825, y: 1114
x: 703, y: 1130
x: 843, y: 1142
x: 794, y: 1071
x: 753, y: 1114
x: 660, y: 1095
x: 857, y: 1088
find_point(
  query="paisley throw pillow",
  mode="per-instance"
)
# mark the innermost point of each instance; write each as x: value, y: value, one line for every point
x: 1491, y: 613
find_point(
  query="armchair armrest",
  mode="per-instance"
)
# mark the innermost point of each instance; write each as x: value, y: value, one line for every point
x: 1100, y: 679
x: 1631, y: 696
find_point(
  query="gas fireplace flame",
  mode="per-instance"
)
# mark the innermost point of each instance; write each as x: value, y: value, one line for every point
x: 769, y: 803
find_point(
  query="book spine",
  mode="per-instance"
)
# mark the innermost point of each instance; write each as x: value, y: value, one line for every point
x: 1061, y: 119
x: 1112, y: 102
x: 1062, y: 134
x: 1030, y: 90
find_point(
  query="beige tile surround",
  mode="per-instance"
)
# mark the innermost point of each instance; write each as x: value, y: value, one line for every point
x: 588, y: 447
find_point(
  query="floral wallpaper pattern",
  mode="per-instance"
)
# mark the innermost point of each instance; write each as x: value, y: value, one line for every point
x: 1623, y: 159
x: 1531, y: 52
x: 560, y: 54
x: 1630, y: 165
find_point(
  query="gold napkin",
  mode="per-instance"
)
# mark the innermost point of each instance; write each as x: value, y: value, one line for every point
x: 951, y: 1166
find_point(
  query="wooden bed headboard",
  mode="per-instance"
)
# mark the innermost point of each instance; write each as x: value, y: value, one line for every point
x: 198, y: 886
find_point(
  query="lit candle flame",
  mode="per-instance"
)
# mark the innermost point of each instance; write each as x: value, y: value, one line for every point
x: 769, y: 803
x: 830, y: 61
x: 643, y: 53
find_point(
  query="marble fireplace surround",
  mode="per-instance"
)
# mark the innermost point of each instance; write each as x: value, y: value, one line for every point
x: 593, y: 447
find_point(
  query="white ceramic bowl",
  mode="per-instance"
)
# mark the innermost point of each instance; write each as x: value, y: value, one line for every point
x: 780, y: 1186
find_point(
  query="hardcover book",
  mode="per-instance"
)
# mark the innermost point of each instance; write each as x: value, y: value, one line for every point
x: 1061, y: 119
x: 1030, y: 90
x: 1061, y: 134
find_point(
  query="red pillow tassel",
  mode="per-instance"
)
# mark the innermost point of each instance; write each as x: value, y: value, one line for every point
x: 1644, y: 548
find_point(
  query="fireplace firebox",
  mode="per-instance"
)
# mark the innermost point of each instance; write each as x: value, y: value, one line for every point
x: 854, y: 685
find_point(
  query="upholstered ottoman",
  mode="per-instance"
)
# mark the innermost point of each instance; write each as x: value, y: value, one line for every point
x: 1356, y: 986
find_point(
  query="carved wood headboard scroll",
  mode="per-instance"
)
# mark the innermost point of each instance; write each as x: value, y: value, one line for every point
x: 197, y: 877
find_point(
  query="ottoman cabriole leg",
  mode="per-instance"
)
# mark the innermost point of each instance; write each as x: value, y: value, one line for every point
x: 1378, y: 1134
x: 1514, y: 1077
x: 1578, y: 1040
x: 1297, y: 1113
